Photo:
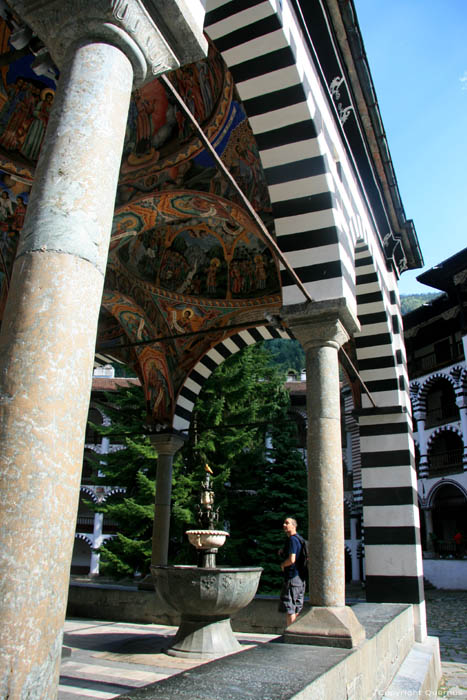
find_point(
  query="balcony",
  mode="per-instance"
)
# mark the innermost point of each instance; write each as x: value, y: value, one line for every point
x: 440, y: 415
x: 448, y: 462
x: 85, y: 523
x: 424, y: 364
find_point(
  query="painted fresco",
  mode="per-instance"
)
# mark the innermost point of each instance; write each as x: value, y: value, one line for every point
x: 159, y: 135
x: 14, y: 196
x: 186, y: 261
x: 25, y: 103
x: 163, y: 150
x: 196, y: 264
x: 196, y: 245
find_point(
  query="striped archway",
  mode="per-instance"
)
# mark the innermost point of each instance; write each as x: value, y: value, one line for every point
x: 206, y: 366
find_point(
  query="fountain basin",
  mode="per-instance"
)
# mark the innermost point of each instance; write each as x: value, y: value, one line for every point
x: 205, y: 599
x: 207, y: 539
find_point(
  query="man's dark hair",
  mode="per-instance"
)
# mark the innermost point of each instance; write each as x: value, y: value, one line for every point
x: 289, y: 517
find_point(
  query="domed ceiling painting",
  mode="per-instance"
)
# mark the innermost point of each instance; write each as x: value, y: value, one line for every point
x: 188, y: 266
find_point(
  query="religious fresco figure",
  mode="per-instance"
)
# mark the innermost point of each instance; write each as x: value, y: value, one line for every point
x: 143, y: 123
x: 260, y: 272
x: 6, y: 206
x: 17, y: 115
x: 211, y: 277
x: 35, y: 133
x: 19, y: 213
x: 12, y: 92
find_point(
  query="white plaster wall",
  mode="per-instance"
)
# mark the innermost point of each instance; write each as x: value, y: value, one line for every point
x: 450, y: 574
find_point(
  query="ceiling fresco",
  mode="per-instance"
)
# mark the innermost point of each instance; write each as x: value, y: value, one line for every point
x: 183, y: 268
x: 187, y: 264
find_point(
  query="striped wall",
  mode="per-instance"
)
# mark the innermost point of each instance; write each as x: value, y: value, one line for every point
x: 393, y: 556
x: 326, y: 229
x: 206, y: 366
x: 263, y: 48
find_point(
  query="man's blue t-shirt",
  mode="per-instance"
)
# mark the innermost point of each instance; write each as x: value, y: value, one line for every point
x: 293, y: 546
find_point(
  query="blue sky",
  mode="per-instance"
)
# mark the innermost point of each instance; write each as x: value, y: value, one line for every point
x: 417, y: 52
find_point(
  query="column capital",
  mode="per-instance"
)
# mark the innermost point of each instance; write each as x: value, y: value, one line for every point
x: 151, y: 46
x: 419, y: 414
x: 167, y: 443
x: 321, y: 323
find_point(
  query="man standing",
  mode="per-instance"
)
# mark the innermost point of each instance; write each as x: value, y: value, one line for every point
x: 293, y: 588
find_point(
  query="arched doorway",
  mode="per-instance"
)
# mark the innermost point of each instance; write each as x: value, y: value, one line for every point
x: 449, y: 517
x: 441, y: 405
x: 445, y: 453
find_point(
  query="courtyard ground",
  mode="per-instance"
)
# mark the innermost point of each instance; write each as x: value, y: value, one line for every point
x: 108, y: 658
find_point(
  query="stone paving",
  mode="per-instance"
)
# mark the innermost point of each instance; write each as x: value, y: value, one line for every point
x: 111, y: 658
x: 447, y: 620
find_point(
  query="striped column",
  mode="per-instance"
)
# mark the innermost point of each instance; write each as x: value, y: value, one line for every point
x: 393, y: 554
x: 262, y: 44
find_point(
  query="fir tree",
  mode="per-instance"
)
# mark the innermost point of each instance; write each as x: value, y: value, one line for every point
x: 233, y: 412
x: 133, y: 467
x: 283, y: 493
x: 242, y: 403
x: 243, y: 406
x: 289, y: 354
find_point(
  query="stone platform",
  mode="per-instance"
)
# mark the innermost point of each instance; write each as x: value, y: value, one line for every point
x: 387, y: 664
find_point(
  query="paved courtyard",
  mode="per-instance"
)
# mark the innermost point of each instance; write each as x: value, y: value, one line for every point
x: 447, y: 620
x: 109, y: 659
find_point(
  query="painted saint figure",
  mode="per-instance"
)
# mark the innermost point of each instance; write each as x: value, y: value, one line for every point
x: 35, y: 135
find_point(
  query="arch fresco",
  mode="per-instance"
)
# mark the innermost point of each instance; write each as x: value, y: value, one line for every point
x: 182, y: 263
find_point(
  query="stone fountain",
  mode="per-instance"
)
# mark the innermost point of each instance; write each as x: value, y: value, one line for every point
x: 205, y: 595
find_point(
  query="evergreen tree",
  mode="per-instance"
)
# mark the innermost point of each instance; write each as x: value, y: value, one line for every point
x: 242, y: 403
x: 283, y: 493
x: 132, y: 467
x: 289, y: 354
x: 239, y: 402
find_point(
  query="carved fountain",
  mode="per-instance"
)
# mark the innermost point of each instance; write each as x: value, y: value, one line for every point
x: 205, y: 596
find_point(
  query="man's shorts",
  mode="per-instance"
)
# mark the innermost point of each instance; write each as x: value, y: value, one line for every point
x: 292, y: 595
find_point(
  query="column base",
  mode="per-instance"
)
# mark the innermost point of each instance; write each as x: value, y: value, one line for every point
x: 146, y: 583
x: 331, y: 627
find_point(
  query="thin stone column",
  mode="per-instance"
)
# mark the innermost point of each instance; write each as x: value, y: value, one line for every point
x: 354, y: 548
x: 321, y: 333
x: 462, y: 403
x: 166, y: 444
x: 48, y: 333
x: 96, y: 543
x: 428, y: 515
x: 423, y: 464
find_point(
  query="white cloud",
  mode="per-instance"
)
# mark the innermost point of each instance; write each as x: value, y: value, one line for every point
x: 463, y: 81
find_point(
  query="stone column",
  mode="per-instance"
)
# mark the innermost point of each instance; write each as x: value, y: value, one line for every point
x: 321, y: 331
x: 49, y: 329
x: 166, y: 444
x: 428, y: 515
x: 462, y: 403
x: 96, y: 543
x: 423, y: 466
x: 354, y: 549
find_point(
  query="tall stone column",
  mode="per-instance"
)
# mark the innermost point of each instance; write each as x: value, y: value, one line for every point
x: 354, y: 548
x: 428, y: 515
x: 48, y: 333
x: 166, y: 444
x: 96, y: 543
x: 321, y: 331
x: 423, y: 465
x: 462, y: 403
